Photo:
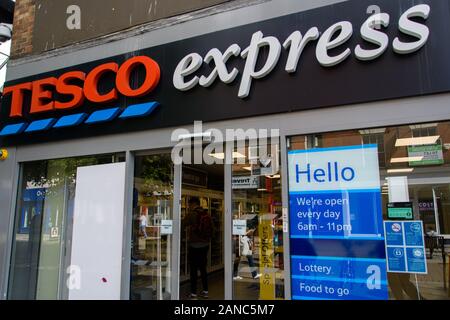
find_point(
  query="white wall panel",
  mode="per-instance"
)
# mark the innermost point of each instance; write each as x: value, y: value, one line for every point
x: 97, y: 233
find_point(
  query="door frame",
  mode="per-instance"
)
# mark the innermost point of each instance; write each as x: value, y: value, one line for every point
x: 227, y: 237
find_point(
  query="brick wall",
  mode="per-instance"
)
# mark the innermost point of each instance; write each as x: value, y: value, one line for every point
x: 22, y: 39
x: 34, y: 32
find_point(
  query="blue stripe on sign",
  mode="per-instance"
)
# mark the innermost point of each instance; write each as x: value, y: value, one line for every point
x: 333, y: 191
x: 13, y: 129
x: 362, y: 146
x: 339, y: 258
x: 350, y: 237
x: 338, y: 248
x: 308, y: 298
x: 40, y: 125
x: 314, y: 278
x: 69, y: 121
x: 103, y: 115
x: 139, y: 110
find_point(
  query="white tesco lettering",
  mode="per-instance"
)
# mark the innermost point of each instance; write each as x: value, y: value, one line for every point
x: 297, y: 43
x: 220, y: 60
x: 373, y: 36
x: 251, y: 54
x: 344, y: 31
x: 335, y: 36
x: 186, y: 67
x: 414, y: 29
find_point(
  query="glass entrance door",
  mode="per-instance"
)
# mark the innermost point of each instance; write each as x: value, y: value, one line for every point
x: 201, y: 271
x: 258, y: 244
x: 177, y: 229
x: 152, y: 228
x: 212, y: 207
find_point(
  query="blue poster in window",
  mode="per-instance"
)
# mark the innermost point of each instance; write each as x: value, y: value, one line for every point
x: 408, y: 255
x: 413, y: 234
x: 336, y: 225
x: 416, y: 260
x: 394, y: 233
x: 396, y: 259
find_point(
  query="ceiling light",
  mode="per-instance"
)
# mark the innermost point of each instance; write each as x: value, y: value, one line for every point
x: 406, y: 159
x: 373, y: 131
x: 238, y: 155
x: 221, y: 155
x: 262, y: 189
x: 400, y: 170
x: 416, y: 141
x: 247, y: 168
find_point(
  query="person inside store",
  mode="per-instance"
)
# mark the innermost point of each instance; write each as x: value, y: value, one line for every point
x: 200, y: 231
x: 246, y: 243
x: 143, y: 225
x: 236, y: 257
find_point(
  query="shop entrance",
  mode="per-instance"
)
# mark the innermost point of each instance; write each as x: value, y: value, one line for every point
x: 202, y: 232
x: 204, y: 228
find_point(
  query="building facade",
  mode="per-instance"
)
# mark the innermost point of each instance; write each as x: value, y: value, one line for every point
x: 320, y: 121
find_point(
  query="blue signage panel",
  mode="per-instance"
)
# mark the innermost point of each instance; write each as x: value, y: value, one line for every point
x: 394, y: 233
x: 324, y: 289
x: 336, y: 225
x: 413, y: 234
x: 396, y: 259
x: 405, y: 247
x: 416, y: 260
x: 334, y: 214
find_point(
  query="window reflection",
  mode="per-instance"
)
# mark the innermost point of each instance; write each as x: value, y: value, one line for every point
x: 152, y: 228
x: 42, y: 233
x: 258, y: 270
x: 420, y: 155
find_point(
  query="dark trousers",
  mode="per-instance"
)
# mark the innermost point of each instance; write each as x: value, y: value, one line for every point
x: 237, y: 260
x: 197, y: 262
x: 251, y: 265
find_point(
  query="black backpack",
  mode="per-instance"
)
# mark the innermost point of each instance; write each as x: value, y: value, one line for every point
x: 204, y: 226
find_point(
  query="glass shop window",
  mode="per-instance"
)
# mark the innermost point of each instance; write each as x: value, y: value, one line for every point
x: 404, y: 178
x: 42, y: 230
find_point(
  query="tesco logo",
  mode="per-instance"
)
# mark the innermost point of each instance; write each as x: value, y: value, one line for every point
x: 43, y: 90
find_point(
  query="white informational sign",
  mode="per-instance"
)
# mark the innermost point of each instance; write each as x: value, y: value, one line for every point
x: 239, y: 227
x: 97, y: 233
x: 54, y: 232
x: 398, y: 189
x: 245, y: 182
x: 166, y: 226
x: 285, y: 220
x: 346, y: 168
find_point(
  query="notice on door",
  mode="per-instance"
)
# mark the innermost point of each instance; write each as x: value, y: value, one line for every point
x: 336, y: 225
x: 166, y: 226
x: 405, y: 247
x: 239, y: 227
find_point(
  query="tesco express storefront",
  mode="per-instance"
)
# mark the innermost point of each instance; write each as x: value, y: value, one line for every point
x: 355, y: 110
